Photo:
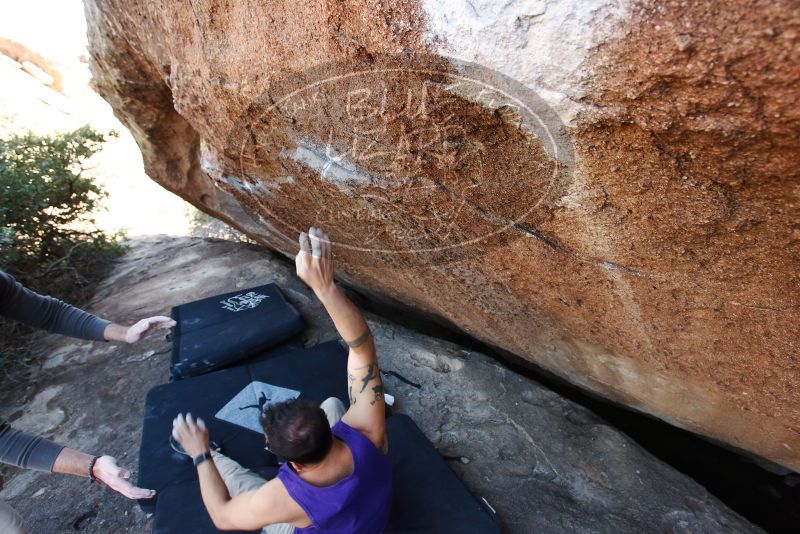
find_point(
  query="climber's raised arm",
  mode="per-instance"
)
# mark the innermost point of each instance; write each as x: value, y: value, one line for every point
x: 367, y: 410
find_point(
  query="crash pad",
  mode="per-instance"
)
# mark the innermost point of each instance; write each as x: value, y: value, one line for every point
x: 427, y: 496
x: 216, y: 332
x: 180, y: 511
x: 316, y: 373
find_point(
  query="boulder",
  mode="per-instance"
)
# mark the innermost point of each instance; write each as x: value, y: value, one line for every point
x: 607, y: 189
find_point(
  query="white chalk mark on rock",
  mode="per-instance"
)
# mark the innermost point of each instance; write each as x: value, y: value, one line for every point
x: 333, y: 167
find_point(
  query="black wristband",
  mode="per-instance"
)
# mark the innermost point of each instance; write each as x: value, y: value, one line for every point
x: 92, y: 478
x: 200, y: 458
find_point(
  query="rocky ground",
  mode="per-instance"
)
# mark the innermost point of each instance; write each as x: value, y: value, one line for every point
x: 545, y: 463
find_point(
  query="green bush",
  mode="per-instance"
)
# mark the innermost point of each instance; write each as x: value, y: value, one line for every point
x: 48, y: 237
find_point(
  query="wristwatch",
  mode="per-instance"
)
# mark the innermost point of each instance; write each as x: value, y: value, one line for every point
x: 200, y: 458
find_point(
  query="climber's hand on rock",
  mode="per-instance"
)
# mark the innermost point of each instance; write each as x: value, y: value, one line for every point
x: 314, y: 262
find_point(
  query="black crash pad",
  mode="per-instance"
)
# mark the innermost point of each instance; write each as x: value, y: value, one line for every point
x: 219, y: 331
x: 184, y: 502
x: 428, y: 498
x: 181, y: 511
x: 318, y: 373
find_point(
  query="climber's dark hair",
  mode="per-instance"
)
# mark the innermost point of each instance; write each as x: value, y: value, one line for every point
x: 297, y: 430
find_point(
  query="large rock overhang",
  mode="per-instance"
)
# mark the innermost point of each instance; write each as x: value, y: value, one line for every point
x: 620, y: 207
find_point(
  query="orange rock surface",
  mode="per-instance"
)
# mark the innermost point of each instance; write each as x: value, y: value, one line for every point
x: 625, y: 215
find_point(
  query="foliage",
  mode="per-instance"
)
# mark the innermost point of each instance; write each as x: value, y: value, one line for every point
x: 48, y: 237
x: 204, y: 225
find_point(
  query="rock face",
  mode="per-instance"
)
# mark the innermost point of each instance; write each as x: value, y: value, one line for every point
x: 605, y: 188
x: 544, y: 463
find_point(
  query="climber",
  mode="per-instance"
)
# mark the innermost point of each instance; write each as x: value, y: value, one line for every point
x: 337, y: 475
x: 28, y: 451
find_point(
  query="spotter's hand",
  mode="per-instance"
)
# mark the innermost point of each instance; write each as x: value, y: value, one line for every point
x: 191, y: 434
x: 145, y: 327
x: 314, y: 262
x: 107, y: 471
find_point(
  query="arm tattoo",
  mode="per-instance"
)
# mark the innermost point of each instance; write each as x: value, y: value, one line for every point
x: 350, y: 380
x: 360, y: 340
x: 378, y: 390
x: 372, y: 372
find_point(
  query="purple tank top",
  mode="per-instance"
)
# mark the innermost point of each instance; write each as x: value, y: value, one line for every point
x: 359, y: 503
